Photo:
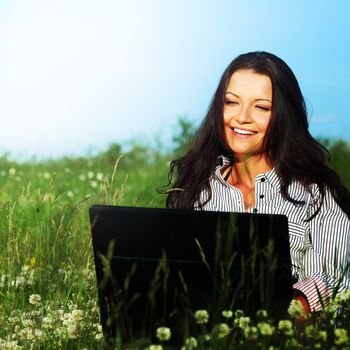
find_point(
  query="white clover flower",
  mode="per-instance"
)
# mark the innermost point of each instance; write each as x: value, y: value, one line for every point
x: 261, y: 314
x: 70, y: 194
x: 67, y: 170
x: 77, y: 315
x: 341, y: 336
x: 286, y: 326
x: 18, y: 282
x: 239, y: 313
x: 227, y: 313
x: 243, y: 322
x: 322, y: 335
x: 163, y: 333
x: 12, y: 171
x: 47, y: 322
x: 296, y: 309
x: 28, y: 323
x: 223, y: 330
x: 342, y: 299
x: 265, y: 328
x: 99, y: 176
x: 90, y: 174
x: 155, y: 347
x: 191, y: 343
x: 82, y: 177
x: 251, y: 333
x: 201, y: 316
x: 72, y: 331
x: 35, y: 299
x: 46, y: 175
x: 18, y: 178
x: 93, y: 184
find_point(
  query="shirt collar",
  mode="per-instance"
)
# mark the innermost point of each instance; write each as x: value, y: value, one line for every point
x: 269, y: 177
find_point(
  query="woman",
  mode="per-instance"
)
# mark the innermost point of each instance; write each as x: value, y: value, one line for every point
x: 254, y: 153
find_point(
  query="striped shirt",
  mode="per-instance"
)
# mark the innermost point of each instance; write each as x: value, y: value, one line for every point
x: 319, y: 248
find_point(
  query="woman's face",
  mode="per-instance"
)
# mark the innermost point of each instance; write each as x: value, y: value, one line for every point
x: 247, y: 112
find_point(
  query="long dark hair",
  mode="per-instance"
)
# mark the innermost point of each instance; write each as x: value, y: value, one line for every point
x: 288, y: 145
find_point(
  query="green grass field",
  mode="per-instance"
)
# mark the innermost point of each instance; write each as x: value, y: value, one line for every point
x: 48, y: 295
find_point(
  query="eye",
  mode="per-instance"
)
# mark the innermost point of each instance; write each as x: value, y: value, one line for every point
x: 263, y: 108
x: 229, y: 102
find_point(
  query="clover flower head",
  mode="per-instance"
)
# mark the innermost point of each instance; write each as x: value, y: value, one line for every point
x: 265, y: 328
x: 243, y: 322
x: 223, y: 330
x: 227, y: 313
x: 163, y: 333
x: 239, y: 313
x: 341, y: 336
x: 201, y: 316
x: 296, y: 309
x: 322, y: 335
x: 261, y: 314
x: 286, y: 326
x: 251, y: 333
x: 342, y: 298
x: 191, y: 343
x: 35, y: 299
x: 155, y: 347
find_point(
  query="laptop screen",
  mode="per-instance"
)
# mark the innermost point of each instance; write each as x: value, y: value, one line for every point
x: 156, y: 267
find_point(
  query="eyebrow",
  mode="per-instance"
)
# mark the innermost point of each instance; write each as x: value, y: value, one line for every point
x: 257, y: 99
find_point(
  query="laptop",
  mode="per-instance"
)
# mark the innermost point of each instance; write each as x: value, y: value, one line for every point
x: 156, y: 267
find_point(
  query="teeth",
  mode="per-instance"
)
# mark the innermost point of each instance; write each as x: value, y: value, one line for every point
x: 243, y: 132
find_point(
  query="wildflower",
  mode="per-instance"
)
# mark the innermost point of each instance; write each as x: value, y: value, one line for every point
x: 341, y: 336
x: 163, y: 333
x: 201, y: 316
x: 227, y: 313
x: 77, y: 315
x: 286, y: 327
x: 67, y: 170
x: 243, y: 322
x: 155, y: 347
x: 82, y: 177
x: 12, y: 171
x: 47, y: 322
x: 239, y: 313
x: 69, y: 194
x: 251, y: 333
x: 90, y: 174
x: 296, y: 309
x: 46, y: 175
x: 265, y: 328
x: 191, y: 343
x: 261, y: 314
x: 322, y: 335
x: 93, y: 184
x: 223, y: 330
x: 342, y: 299
x: 99, y: 176
x: 72, y: 331
x: 35, y: 299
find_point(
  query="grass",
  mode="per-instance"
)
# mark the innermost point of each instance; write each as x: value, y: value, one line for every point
x: 48, y: 296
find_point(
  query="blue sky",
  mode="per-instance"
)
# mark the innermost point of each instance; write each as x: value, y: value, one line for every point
x: 77, y: 75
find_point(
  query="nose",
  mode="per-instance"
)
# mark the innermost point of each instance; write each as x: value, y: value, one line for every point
x: 243, y: 115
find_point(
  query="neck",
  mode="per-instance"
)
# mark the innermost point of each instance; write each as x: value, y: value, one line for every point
x: 245, y: 170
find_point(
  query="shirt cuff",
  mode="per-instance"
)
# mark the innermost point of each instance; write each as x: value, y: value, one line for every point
x: 312, y: 287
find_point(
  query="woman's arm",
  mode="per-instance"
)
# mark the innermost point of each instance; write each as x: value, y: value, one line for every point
x: 325, y: 263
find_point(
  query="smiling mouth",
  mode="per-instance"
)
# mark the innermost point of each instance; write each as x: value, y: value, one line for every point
x: 243, y: 131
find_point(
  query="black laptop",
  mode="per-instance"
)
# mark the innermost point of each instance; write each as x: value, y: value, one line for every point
x: 156, y: 267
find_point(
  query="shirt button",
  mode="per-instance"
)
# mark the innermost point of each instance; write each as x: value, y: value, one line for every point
x: 262, y: 180
x: 255, y: 210
x: 261, y: 196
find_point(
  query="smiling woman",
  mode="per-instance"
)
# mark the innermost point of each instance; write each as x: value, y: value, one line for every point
x: 254, y: 153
